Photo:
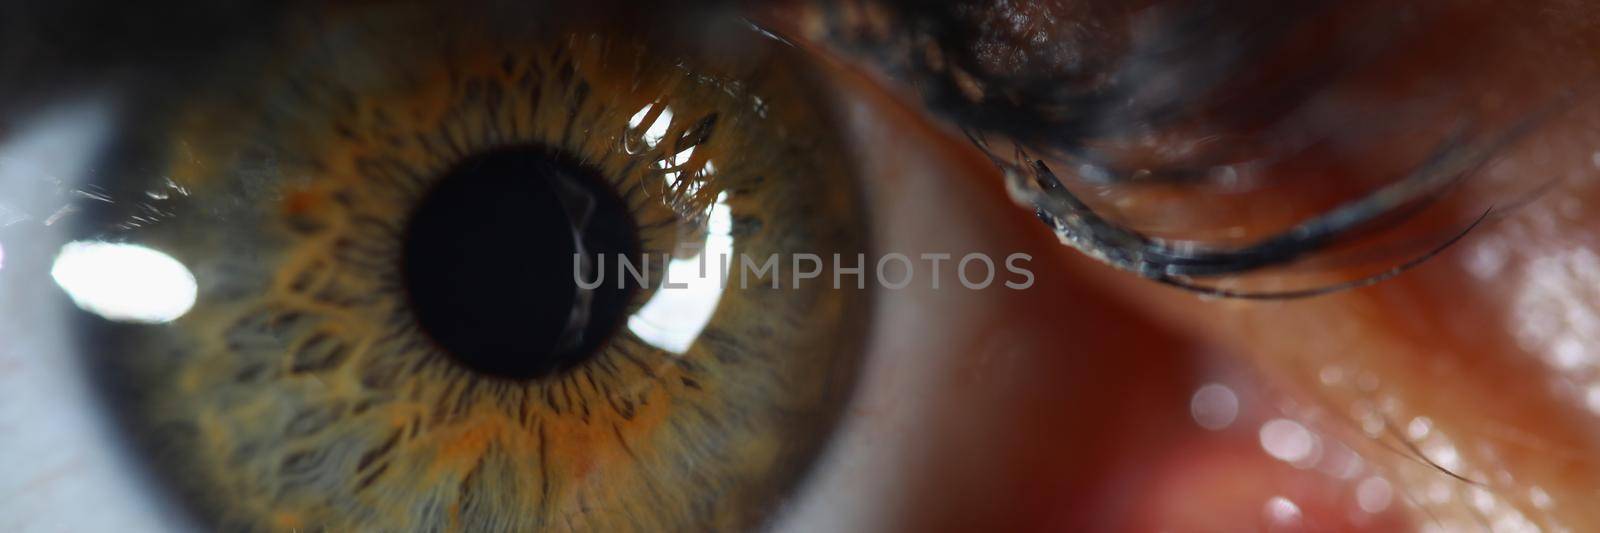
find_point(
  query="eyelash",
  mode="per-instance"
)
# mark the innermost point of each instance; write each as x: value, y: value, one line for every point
x: 1072, y: 112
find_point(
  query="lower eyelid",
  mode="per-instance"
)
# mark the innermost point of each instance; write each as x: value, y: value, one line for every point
x: 1357, y: 331
x: 1480, y: 359
x: 1007, y: 409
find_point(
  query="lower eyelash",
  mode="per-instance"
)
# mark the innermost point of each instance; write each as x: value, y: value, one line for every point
x: 1178, y: 263
x: 1045, y: 112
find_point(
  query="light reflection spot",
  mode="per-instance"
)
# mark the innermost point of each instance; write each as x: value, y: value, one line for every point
x: 1539, y: 498
x: 1281, y: 511
x: 656, y: 130
x: 1214, y: 406
x: 1483, y: 500
x: 1419, y: 427
x: 1287, y: 440
x: 1331, y: 375
x: 124, y: 282
x: 1374, y: 495
x: 1591, y: 398
x: 674, y: 316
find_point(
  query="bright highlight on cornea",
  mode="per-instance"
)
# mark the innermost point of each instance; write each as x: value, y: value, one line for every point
x: 124, y: 282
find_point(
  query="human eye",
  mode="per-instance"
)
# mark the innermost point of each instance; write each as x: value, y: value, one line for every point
x: 1066, y: 405
x: 405, y: 266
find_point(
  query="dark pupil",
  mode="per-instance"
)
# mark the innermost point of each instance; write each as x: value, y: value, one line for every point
x: 489, y: 262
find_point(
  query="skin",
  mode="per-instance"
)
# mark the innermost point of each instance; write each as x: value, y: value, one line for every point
x: 1057, y: 407
x: 1463, y: 383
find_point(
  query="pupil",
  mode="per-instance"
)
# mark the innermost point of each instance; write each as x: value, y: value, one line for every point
x: 488, y: 262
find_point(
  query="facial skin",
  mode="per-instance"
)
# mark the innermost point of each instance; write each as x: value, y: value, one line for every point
x: 1067, y: 406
